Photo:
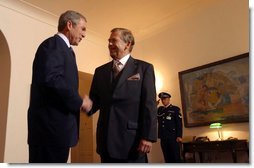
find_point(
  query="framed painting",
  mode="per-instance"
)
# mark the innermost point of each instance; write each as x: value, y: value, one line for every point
x: 216, y: 92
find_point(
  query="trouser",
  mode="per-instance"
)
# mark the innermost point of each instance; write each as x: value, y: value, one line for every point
x: 48, y: 154
x: 142, y: 158
x: 171, y: 150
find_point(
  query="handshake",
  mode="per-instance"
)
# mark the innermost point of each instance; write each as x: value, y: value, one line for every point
x: 87, y: 104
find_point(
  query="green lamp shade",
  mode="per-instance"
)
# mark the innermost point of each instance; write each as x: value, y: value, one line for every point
x: 216, y: 125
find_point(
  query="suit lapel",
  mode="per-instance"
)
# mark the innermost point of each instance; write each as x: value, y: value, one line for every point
x: 71, y: 56
x: 128, y: 70
x: 109, y: 75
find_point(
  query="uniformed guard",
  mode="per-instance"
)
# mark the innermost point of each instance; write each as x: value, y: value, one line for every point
x: 170, y: 129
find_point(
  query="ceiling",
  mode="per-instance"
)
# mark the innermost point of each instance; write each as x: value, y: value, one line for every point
x: 142, y: 17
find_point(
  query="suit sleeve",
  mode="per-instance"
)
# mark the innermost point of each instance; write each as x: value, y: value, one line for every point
x: 179, y: 123
x: 51, y: 69
x: 148, y: 105
x: 94, y: 95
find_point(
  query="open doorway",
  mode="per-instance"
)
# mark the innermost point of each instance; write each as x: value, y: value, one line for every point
x: 5, y: 69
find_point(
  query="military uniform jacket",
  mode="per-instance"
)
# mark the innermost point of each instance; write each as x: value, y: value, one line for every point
x: 169, y: 122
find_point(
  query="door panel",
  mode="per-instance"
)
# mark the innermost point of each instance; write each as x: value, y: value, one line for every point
x: 83, y: 152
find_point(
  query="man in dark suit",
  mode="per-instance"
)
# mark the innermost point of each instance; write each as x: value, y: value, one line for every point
x: 54, y: 110
x: 126, y: 98
x: 170, y: 129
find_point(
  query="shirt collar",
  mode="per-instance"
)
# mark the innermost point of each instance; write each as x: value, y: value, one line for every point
x: 124, y: 59
x: 64, y: 38
x: 167, y: 105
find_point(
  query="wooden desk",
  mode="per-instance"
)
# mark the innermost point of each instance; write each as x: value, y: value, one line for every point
x: 210, y: 146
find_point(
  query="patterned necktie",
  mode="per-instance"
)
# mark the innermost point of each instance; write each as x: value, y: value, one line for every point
x: 117, y: 67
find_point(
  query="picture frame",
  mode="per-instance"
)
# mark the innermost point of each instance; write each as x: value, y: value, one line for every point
x: 216, y: 92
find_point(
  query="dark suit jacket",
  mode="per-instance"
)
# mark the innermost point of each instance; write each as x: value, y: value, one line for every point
x: 54, y: 110
x: 127, y: 109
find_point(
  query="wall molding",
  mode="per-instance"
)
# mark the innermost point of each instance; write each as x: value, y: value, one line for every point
x: 36, y: 13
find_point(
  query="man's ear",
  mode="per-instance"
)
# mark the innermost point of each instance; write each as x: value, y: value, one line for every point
x: 69, y: 24
x: 128, y: 45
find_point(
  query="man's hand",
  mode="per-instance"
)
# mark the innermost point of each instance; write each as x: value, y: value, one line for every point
x: 178, y: 139
x: 87, y: 104
x: 145, y: 146
x: 158, y: 102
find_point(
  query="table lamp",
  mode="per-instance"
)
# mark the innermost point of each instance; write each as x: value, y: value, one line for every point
x: 218, y: 126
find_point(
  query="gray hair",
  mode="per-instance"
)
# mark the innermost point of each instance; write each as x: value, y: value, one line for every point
x: 126, y: 36
x: 73, y: 16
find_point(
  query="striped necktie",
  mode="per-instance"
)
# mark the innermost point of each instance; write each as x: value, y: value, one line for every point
x: 117, y: 67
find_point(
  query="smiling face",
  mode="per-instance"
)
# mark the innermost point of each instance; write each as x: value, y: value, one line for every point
x: 117, y: 47
x: 76, y: 32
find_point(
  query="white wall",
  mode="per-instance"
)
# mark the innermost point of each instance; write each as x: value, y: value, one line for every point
x: 24, y: 28
x: 211, y: 30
